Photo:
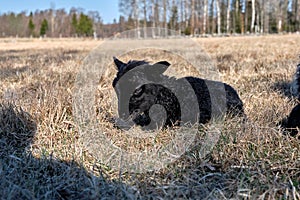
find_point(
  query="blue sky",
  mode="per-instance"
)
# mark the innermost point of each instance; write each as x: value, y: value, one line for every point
x: 108, y: 9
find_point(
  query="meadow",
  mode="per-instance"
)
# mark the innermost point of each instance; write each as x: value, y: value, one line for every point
x: 42, y: 157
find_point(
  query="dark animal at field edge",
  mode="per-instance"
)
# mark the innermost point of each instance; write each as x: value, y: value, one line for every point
x: 291, y: 123
x: 149, y: 93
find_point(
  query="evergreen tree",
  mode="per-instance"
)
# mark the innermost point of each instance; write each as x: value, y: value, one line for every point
x: 44, y: 27
x: 74, y: 23
x: 85, y: 25
x: 31, y: 25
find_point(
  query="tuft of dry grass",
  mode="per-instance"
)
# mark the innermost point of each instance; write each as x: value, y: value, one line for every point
x: 42, y: 157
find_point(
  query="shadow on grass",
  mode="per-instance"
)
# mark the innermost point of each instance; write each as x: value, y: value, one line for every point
x: 23, y: 176
x: 289, y: 123
x: 8, y: 72
x: 283, y: 87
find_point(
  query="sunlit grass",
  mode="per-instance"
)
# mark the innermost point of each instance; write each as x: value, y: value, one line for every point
x: 252, y: 159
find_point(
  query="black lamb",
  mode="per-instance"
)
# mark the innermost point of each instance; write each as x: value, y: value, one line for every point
x: 140, y: 86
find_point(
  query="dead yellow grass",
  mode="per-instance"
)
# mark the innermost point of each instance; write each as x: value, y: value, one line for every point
x: 251, y: 160
x: 48, y: 43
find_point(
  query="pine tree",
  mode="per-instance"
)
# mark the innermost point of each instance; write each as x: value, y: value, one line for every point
x: 74, y: 23
x: 85, y: 25
x: 31, y: 25
x: 44, y: 27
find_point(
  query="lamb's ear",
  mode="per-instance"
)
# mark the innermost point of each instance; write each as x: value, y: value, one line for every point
x: 118, y: 63
x: 161, y: 66
x: 164, y: 63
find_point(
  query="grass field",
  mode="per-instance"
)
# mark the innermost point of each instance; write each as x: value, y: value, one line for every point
x: 41, y: 156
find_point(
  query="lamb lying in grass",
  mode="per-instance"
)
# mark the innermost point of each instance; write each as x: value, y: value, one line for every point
x: 136, y: 95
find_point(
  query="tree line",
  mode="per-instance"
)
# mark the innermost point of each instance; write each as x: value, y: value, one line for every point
x: 214, y: 16
x: 50, y: 23
x: 189, y: 17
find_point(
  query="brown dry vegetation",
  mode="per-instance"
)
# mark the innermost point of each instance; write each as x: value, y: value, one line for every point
x: 41, y: 156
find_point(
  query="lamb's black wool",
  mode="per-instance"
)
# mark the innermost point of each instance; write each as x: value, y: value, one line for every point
x: 292, y: 122
x: 149, y: 94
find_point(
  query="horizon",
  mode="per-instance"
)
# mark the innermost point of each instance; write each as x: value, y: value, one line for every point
x: 108, y: 10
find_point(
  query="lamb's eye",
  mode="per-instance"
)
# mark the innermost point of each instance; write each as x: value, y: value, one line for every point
x: 138, y: 92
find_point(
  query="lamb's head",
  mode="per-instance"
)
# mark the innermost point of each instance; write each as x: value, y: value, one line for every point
x: 125, y: 67
x: 135, y: 88
x: 137, y: 73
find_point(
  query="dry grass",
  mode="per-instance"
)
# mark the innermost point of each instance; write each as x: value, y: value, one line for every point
x: 42, y: 158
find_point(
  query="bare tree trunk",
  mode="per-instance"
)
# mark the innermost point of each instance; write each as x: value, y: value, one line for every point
x: 228, y: 17
x: 52, y: 18
x: 172, y: 22
x: 219, y: 17
x: 199, y: 10
x: 262, y: 16
x: 153, y: 13
x: 165, y: 25
x: 280, y: 16
x: 52, y: 24
x: 205, y: 16
x: 267, y: 18
x: 246, y: 17
x: 155, y: 16
x: 145, y: 17
x: 186, y: 11
x: 285, y: 19
x: 242, y: 16
x: 253, y: 16
x: 192, y: 17
x: 257, y: 27
x: 213, y: 23
x: 181, y: 15
x: 237, y: 22
x: 296, y: 14
x: 136, y: 17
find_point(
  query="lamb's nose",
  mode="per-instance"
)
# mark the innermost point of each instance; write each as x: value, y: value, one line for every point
x: 135, y: 113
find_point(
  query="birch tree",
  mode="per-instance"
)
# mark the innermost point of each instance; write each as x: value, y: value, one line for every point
x: 156, y: 16
x: 212, y: 17
x: 182, y: 17
x: 192, y: 17
x: 262, y: 16
x: 165, y: 23
x: 228, y: 17
x: 205, y: 16
x: 136, y: 11
x: 144, y: 2
x: 218, y: 16
x: 253, y: 16
x: 296, y: 15
x: 186, y: 15
x: 174, y: 16
x: 130, y: 8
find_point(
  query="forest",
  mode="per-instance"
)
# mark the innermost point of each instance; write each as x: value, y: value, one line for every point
x: 188, y: 17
